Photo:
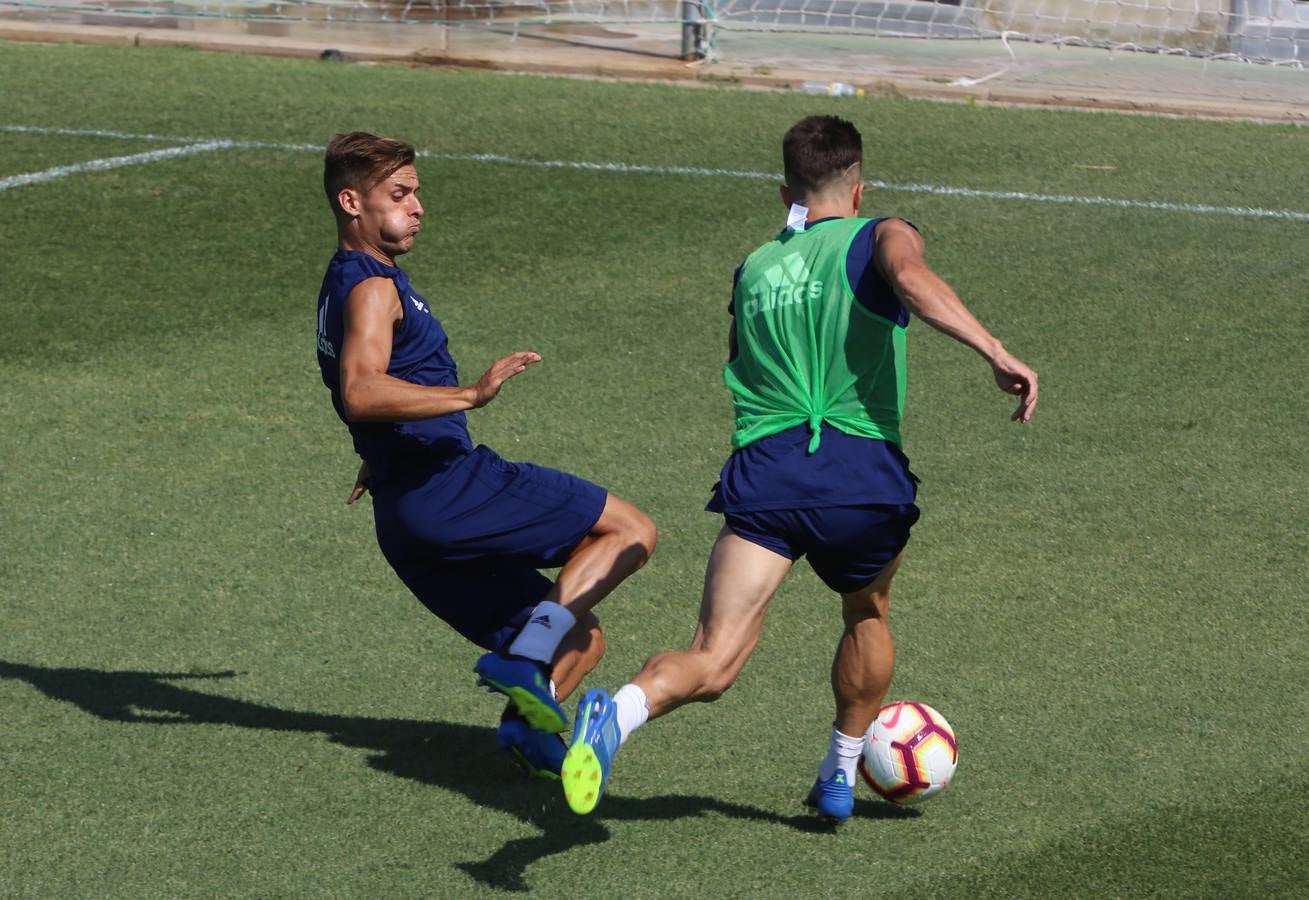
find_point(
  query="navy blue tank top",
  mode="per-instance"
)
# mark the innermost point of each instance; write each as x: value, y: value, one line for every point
x: 418, y: 354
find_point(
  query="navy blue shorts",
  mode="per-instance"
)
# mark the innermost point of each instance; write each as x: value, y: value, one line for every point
x: 467, y: 536
x: 847, y: 546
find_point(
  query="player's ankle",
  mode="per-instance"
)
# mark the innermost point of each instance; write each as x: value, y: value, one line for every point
x: 843, y: 753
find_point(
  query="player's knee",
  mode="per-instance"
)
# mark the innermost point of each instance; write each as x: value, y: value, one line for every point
x: 587, y: 638
x: 594, y: 646
x: 641, y: 536
x: 649, y: 536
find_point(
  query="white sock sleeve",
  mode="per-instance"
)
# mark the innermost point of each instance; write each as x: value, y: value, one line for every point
x: 632, y: 710
x: 842, y: 753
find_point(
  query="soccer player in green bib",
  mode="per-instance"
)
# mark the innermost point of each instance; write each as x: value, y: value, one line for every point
x: 817, y: 377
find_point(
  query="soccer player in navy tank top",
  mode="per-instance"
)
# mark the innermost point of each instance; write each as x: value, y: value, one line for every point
x: 465, y: 530
x: 817, y: 376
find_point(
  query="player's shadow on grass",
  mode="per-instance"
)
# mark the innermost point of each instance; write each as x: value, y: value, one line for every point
x: 454, y: 757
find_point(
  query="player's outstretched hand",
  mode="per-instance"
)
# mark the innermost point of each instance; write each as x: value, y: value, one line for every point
x: 1013, y: 376
x: 361, y: 484
x: 501, y: 371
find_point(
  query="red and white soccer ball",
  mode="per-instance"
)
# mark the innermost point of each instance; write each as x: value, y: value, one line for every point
x: 910, y: 753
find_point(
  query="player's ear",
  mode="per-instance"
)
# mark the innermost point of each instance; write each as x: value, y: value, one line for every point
x: 349, y: 201
x: 858, y: 195
x: 786, y: 196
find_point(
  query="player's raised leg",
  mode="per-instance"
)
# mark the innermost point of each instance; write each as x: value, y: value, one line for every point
x: 617, y: 544
x: 861, y: 675
x: 740, y: 580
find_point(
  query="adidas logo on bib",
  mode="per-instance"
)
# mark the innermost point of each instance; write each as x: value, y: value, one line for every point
x: 784, y: 284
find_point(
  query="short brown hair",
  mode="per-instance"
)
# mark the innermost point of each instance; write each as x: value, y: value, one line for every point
x: 360, y: 160
x: 817, y: 149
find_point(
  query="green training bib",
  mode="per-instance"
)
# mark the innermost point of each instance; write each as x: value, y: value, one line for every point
x: 807, y: 351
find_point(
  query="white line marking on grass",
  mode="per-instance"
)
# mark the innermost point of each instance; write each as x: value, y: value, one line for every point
x: 113, y: 162
x: 1202, y: 208
x: 938, y: 189
x: 96, y: 132
x: 581, y: 165
x: 694, y: 171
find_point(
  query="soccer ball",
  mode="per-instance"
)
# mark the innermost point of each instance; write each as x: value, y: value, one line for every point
x: 909, y: 753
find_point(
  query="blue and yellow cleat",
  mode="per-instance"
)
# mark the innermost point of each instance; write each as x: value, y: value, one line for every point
x: 833, y: 798
x: 595, y: 741
x: 524, y: 682
x: 538, y: 753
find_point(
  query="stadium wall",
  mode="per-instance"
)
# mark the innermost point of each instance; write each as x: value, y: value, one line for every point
x: 1199, y: 26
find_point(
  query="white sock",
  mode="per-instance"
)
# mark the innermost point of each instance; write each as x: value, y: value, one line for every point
x: 842, y: 753
x: 631, y: 710
x: 540, y: 637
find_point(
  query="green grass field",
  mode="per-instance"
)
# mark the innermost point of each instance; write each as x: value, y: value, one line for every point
x: 211, y: 684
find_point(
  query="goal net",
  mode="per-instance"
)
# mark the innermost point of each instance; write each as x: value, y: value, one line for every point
x: 1263, y: 30
x: 1274, y: 31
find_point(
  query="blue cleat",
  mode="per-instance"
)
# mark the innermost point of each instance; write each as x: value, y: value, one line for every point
x: 525, y: 683
x: 833, y: 798
x: 538, y: 753
x: 595, y: 741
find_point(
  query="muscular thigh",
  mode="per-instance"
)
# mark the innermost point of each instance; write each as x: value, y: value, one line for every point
x: 740, y: 580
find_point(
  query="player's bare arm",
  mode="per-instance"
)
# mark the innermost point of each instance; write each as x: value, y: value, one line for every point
x: 372, y: 314
x: 928, y: 296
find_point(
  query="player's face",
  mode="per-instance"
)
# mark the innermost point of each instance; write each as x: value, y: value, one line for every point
x: 390, y: 214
